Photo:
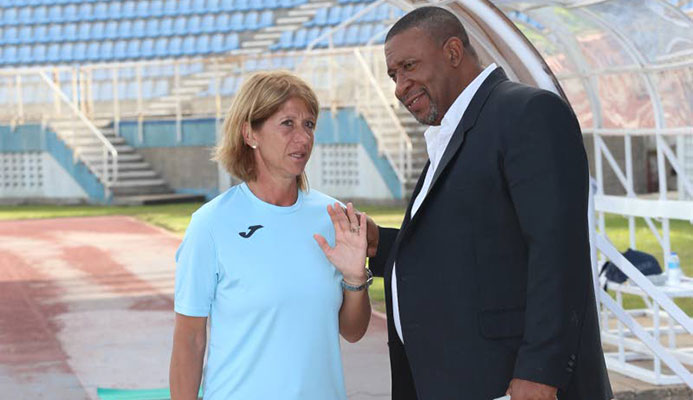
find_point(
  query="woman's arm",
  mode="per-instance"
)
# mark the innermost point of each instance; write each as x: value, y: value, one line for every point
x: 189, y: 342
x: 355, y: 314
x: 349, y: 256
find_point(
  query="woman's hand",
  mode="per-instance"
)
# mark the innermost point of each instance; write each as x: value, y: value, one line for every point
x: 349, y: 253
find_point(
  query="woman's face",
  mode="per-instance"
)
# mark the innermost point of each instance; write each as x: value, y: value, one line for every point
x: 284, y: 141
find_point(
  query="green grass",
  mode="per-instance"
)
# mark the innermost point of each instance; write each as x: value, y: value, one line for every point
x: 175, y: 218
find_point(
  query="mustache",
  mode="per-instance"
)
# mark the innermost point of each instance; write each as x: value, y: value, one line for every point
x: 407, y: 99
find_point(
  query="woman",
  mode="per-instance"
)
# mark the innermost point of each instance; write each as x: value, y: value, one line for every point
x: 257, y: 260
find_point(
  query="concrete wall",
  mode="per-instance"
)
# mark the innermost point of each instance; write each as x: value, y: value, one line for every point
x: 612, y: 185
x: 185, y: 169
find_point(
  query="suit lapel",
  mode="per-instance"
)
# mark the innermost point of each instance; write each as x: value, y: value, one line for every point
x: 466, y: 124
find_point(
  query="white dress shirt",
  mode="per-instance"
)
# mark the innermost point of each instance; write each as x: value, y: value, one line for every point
x: 437, y: 139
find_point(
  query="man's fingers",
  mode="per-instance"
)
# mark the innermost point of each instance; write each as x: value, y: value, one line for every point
x: 363, y: 225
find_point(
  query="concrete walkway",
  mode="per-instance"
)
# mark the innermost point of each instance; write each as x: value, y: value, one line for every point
x: 87, y: 303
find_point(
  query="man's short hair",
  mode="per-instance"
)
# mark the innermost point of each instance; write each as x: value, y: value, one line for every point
x: 438, y: 22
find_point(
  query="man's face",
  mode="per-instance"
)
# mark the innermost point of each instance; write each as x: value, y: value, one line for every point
x: 417, y: 65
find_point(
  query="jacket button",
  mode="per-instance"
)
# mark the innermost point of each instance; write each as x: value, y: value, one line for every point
x: 572, y: 357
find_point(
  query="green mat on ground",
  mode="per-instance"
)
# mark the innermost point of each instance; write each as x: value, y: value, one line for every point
x: 135, y: 394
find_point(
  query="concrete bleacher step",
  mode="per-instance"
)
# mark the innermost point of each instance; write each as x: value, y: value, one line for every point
x: 94, y: 158
x: 161, y: 198
x: 141, y: 174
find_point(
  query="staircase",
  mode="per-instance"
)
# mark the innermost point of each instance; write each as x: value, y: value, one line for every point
x: 136, y: 183
x: 419, y: 156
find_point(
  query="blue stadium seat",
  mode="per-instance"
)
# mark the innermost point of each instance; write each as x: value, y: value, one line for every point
x: 338, y: 37
x: 222, y: 23
x: 120, y: 49
x: 251, y: 21
x: 9, y: 16
x: 156, y: 8
x: 133, y: 49
x: 25, y: 56
x: 199, y: 6
x: 179, y: 26
x: 377, y: 29
x: 313, y: 34
x: 41, y: 33
x: 299, y: 41
x: 54, y: 13
x: 295, y: 3
x: 347, y: 12
x: 142, y: 10
x: 9, y: 55
x: 115, y: 10
x: 241, y: 5
x: 231, y: 42
x: 101, y: 11
x: 227, y: 5
x: 152, y: 29
x: 185, y: 6
x: 266, y: 19
x: 125, y: 29
x: 383, y: 12
x: 106, y: 52
x: 70, y: 13
x: 93, y: 51
x: 80, y: 52
x: 365, y: 33
x: 147, y: 48
x: 285, y: 3
x: 111, y: 30
x: 161, y: 47
x: 166, y: 27
x: 214, y: 6
x: 358, y: 8
x: 86, y: 12
x: 257, y: 5
x: 271, y: 4
x: 70, y: 31
x: 202, y: 44
x: 319, y: 19
x: 40, y: 15
x: 189, y: 45
x: 25, y: 34
x: 217, y: 44
x: 175, y: 46
x: 138, y: 28
x: 326, y: 40
x: 236, y: 23
x: 129, y: 9
x: 228, y: 86
x: 39, y: 53
x: 285, y: 41
x: 208, y: 23
x: 84, y: 31
x: 55, y: 32
x: 194, y: 25
x: 171, y: 7
x: 10, y: 35
x: 147, y: 89
x: 53, y: 53
x: 335, y: 15
x: 66, y: 52
x: 131, y: 90
x: 352, y: 35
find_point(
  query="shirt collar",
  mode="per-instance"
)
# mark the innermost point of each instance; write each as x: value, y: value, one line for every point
x: 437, y: 137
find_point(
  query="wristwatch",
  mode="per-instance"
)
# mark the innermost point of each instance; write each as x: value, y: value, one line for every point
x: 365, y: 285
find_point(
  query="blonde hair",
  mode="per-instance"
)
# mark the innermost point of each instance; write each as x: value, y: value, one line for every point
x: 259, y: 98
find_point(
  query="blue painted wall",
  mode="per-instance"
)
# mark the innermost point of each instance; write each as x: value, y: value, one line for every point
x: 345, y: 126
x: 29, y: 138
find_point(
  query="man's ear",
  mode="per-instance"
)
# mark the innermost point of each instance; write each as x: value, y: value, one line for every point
x: 453, y: 50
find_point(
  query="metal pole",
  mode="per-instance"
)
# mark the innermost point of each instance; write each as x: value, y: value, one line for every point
x: 116, y: 103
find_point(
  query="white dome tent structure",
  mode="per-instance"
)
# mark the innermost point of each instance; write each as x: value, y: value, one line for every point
x: 626, y: 67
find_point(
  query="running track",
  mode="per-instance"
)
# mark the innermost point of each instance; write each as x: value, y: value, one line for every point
x: 87, y: 303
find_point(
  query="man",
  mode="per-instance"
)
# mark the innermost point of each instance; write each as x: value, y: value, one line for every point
x: 488, y: 281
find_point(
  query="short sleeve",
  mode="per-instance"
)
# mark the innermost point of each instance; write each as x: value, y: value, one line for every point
x: 196, y: 271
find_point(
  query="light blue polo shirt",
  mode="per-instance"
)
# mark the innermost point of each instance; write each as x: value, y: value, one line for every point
x: 272, y: 297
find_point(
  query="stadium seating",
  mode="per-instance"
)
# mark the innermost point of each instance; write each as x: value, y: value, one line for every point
x: 85, y: 31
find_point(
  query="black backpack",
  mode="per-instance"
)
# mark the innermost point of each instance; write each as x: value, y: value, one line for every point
x: 645, y: 263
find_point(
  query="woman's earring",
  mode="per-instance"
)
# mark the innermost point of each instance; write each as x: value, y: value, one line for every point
x: 253, y: 146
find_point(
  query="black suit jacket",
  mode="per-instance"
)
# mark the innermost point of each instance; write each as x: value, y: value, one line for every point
x: 493, y: 271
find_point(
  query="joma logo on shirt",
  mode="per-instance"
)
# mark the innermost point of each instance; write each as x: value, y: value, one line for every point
x: 251, y: 230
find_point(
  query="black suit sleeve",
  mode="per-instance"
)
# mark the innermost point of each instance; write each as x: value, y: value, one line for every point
x: 386, y: 238
x: 545, y: 166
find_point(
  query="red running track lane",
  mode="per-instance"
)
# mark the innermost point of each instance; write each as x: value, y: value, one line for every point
x: 87, y: 302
